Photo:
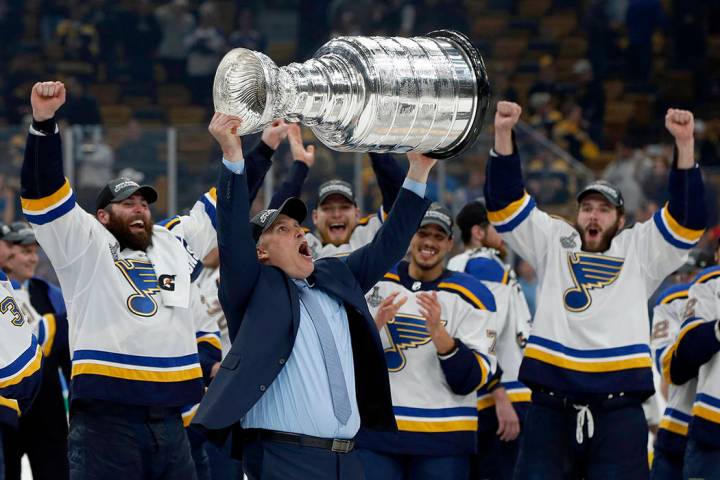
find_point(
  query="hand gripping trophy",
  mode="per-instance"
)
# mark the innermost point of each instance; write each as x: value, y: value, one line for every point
x: 358, y: 94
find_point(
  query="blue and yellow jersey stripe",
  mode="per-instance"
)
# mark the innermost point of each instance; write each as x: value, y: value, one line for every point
x: 675, y: 421
x: 588, y: 361
x: 517, y: 392
x: 674, y: 233
x: 46, y: 333
x: 707, y: 407
x: 209, y: 201
x: 212, y: 338
x: 706, y: 275
x: 136, y: 367
x: 433, y: 420
x: 44, y: 210
x: 513, y: 214
x: 23, y: 366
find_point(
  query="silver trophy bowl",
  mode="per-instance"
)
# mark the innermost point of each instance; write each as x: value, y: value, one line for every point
x: 366, y: 94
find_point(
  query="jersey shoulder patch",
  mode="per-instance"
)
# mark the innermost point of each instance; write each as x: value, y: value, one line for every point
x: 469, y: 289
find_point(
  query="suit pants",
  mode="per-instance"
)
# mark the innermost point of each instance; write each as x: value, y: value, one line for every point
x: 270, y: 460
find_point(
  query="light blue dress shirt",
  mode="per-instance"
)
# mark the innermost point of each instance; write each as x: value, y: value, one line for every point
x: 299, y: 400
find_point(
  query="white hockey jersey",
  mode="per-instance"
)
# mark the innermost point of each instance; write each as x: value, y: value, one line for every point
x: 131, y: 331
x: 20, y: 357
x: 591, y: 329
x: 363, y: 234
x: 513, y: 322
x: 703, y: 310
x: 434, y: 399
x: 668, y: 316
x: 208, y: 283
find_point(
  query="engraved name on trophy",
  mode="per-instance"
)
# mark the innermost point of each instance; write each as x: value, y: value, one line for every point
x: 359, y: 94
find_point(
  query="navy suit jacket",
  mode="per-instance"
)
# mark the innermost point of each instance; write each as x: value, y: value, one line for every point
x: 263, y: 314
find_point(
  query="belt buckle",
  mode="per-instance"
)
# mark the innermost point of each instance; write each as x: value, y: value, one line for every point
x: 342, y: 446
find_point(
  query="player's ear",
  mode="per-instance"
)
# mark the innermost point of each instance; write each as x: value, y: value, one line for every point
x: 103, y: 216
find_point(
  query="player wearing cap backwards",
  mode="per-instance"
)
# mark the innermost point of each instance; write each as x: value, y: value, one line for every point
x: 693, y: 360
x: 126, y: 282
x: 43, y: 430
x: 437, y: 330
x: 503, y: 402
x: 587, y: 360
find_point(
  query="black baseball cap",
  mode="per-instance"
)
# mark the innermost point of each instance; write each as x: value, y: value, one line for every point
x: 118, y: 189
x: 611, y: 193
x: 335, y: 187
x: 292, y: 207
x: 440, y: 216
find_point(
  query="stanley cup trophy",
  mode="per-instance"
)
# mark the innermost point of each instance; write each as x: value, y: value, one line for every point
x: 360, y: 94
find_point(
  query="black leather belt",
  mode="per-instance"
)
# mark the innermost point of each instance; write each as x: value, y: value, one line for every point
x: 333, y: 444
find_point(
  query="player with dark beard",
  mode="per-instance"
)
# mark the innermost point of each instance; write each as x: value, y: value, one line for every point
x: 601, y: 215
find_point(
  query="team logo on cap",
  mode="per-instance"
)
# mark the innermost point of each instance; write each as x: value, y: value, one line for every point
x: 264, y: 215
x: 336, y: 188
x: 124, y: 185
x: 589, y: 272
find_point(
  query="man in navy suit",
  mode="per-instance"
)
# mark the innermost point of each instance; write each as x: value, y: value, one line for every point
x: 306, y: 367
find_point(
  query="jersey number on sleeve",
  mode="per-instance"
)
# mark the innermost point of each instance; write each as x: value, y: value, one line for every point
x: 8, y: 305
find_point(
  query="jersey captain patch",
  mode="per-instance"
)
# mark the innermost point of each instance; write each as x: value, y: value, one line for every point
x: 405, y: 331
x: 142, y: 278
x: 589, y: 271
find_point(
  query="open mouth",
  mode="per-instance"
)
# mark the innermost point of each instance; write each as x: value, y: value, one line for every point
x: 137, y: 225
x: 304, y: 250
x: 337, y: 228
x: 593, y: 233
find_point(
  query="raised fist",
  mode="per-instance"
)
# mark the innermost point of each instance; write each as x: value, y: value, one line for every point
x: 46, y: 98
x: 507, y: 115
x: 680, y: 124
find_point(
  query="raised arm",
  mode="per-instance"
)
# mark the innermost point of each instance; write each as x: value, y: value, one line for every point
x: 390, y: 244
x: 664, y: 242
x: 303, y: 160
x: 510, y: 209
x: 239, y: 266
x: 389, y: 178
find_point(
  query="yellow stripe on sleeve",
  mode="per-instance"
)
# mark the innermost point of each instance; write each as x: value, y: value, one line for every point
x: 39, y: 204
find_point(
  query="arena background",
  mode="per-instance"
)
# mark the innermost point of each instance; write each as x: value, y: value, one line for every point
x: 594, y: 79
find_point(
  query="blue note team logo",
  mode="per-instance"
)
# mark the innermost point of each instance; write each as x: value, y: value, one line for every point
x: 589, y: 271
x: 405, y: 331
x: 142, y: 278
